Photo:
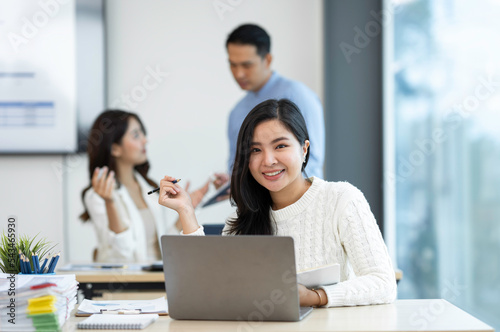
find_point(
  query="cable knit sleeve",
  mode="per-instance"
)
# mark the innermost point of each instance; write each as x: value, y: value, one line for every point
x: 225, y: 231
x: 375, y: 282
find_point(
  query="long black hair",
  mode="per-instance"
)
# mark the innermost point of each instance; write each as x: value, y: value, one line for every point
x: 252, y: 200
x: 108, y: 129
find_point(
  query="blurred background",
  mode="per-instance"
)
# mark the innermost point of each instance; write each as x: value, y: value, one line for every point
x: 410, y: 91
x: 445, y: 106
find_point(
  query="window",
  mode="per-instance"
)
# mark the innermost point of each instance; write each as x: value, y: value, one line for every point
x: 444, y: 103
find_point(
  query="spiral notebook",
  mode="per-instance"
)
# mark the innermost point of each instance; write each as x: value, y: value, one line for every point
x: 117, y: 322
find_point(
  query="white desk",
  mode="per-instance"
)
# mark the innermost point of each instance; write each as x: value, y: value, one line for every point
x: 92, y: 282
x: 403, y: 315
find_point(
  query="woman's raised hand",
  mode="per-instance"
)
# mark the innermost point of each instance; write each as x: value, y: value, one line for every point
x: 176, y: 198
x: 173, y: 196
x: 103, y: 183
x: 220, y: 179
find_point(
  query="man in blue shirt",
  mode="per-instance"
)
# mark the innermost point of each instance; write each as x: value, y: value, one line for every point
x: 248, y: 48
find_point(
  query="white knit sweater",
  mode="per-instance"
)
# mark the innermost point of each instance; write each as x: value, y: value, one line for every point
x: 332, y: 223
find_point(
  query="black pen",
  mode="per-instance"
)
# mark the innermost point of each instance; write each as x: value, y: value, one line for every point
x: 157, y: 189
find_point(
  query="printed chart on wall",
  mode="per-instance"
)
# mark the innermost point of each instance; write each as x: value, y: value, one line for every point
x: 37, y: 77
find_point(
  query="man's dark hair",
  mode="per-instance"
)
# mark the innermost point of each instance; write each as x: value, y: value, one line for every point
x: 251, y: 34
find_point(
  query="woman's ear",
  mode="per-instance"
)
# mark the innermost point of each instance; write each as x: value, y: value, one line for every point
x: 305, y: 147
x: 116, y: 150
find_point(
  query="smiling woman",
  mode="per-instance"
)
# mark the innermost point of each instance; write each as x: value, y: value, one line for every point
x: 330, y: 222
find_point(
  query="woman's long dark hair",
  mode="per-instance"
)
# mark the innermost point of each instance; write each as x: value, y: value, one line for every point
x: 252, y: 200
x: 108, y: 129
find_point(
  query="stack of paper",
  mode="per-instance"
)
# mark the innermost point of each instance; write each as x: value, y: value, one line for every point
x: 157, y: 306
x: 36, y: 302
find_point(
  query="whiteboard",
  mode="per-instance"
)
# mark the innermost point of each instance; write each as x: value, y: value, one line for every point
x: 37, y: 77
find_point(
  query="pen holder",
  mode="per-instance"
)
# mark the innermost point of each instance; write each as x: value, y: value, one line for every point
x: 16, y: 253
x: 33, y: 267
x: 38, y: 274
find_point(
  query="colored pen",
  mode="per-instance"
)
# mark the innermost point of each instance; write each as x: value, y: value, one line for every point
x: 23, y: 265
x: 113, y: 266
x: 27, y: 265
x: 51, y: 263
x: 53, y: 267
x: 36, y: 263
x: 37, y: 258
x: 157, y: 189
x: 43, y: 266
x: 21, y: 261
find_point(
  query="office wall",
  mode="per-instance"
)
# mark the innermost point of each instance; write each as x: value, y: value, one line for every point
x: 167, y: 60
x: 186, y: 114
x: 32, y: 191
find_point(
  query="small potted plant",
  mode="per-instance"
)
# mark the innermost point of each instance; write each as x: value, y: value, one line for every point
x: 9, y: 251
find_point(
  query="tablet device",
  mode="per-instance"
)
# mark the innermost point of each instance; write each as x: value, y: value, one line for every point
x: 222, y: 191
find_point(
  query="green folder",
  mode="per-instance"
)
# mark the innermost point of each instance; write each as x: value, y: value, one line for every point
x: 45, y: 322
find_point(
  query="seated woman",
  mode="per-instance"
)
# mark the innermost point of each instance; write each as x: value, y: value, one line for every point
x: 128, y: 224
x: 330, y: 222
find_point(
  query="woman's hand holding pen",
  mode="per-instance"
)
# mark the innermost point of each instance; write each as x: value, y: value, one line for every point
x: 173, y: 196
x: 176, y: 198
x: 104, y: 183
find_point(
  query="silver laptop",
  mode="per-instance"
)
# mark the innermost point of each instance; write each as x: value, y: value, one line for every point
x: 246, y: 278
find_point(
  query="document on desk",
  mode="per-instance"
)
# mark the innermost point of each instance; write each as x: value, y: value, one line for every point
x: 157, y: 306
x: 319, y: 276
x: 100, y: 267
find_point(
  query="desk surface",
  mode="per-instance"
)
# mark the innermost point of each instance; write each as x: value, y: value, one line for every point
x: 402, y: 315
x: 116, y: 275
x: 124, y: 275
